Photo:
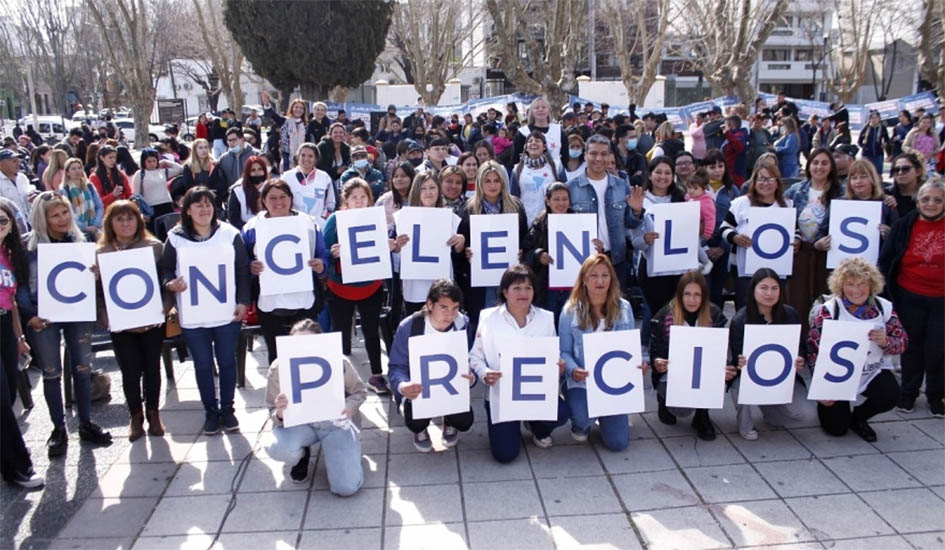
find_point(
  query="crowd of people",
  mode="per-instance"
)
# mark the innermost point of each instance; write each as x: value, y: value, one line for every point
x: 215, y: 191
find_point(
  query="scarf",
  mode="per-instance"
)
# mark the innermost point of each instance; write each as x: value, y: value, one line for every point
x: 867, y: 310
x: 490, y: 208
x: 82, y: 202
x: 291, y: 135
x: 535, y: 164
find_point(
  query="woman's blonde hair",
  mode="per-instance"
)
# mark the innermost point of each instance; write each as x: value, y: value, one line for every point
x: 57, y: 162
x: 83, y: 180
x: 530, y: 117
x: 665, y: 131
x: 863, y: 166
x: 196, y: 165
x: 510, y: 204
x: 856, y: 269
x: 580, y: 303
x: 42, y: 204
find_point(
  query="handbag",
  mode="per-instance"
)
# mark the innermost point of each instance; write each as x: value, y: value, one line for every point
x: 172, y: 326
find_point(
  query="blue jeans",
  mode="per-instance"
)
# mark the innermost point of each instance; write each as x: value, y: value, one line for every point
x: 877, y: 163
x: 78, y: 337
x: 341, y: 449
x: 505, y: 438
x: 203, y: 344
x: 614, y: 430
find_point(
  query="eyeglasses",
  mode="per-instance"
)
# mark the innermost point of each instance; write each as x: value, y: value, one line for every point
x: 902, y: 169
x: 924, y: 200
x: 683, y: 163
x: 4, y: 221
x: 766, y: 180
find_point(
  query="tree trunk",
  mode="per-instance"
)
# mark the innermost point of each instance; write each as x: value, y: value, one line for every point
x: 142, y: 104
x: 314, y: 92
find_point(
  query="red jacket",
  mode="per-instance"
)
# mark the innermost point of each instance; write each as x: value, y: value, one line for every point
x: 109, y: 197
x: 202, y: 131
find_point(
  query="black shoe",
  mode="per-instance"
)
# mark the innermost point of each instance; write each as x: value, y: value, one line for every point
x: 663, y: 413
x: 299, y: 472
x: 90, y: 432
x: 228, y: 420
x: 906, y: 404
x: 703, y: 425
x: 28, y: 480
x: 58, y: 442
x: 862, y: 429
x: 937, y: 408
x: 211, y: 422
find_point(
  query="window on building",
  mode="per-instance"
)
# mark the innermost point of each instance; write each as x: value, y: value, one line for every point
x: 804, y: 55
x: 775, y: 55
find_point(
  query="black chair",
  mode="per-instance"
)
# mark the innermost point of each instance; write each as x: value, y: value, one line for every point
x: 163, y: 224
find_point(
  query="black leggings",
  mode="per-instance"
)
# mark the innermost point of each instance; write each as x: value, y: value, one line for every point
x: 342, y: 312
x: 923, y: 318
x: 881, y: 394
x: 461, y: 421
x: 139, y: 356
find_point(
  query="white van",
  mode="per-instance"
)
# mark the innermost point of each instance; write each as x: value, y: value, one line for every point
x: 52, y: 129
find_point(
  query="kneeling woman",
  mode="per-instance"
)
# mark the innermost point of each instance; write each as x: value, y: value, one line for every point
x: 765, y: 306
x: 515, y: 316
x: 691, y: 307
x: 855, y: 286
x: 440, y: 313
x: 595, y: 305
x: 340, y: 444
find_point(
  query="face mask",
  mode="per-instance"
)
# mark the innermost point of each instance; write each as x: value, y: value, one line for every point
x: 632, y: 143
x: 575, y: 153
x: 361, y: 164
x: 415, y: 162
x: 256, y: 180
x: 236, y: 150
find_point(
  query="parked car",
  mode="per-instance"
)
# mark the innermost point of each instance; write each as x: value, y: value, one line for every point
x: 52, y: 129
x: 127, y: 127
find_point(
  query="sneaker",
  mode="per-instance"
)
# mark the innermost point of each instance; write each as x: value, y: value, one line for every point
x: 378, y: 384
x: 750, y: 435
x: 862, y: 429
x: 211, y: 423
x: 422, y: 442
x: 541, y: 442
x: 29, y: 480
x: 906, y: 404
x: 299, y: 473
x: 229, y: 421
x: 937, y: 408
x: 703, y: 425
x: 58, y: 442
x: 580, y: 437
x: 450, y: 436
x: 90, y: 432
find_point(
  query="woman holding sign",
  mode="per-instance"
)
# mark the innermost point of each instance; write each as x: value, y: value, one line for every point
x: 764, y: 190
x: 690, y: 306
x: 864, y: 184
x: 367, y: 297
x: 515, y: 315
x: 492, y: 197
x: 595, y: 305
x: 52, y: 222
x: 855, y: 286
x: 912, y: 260
x: 200, y: 230
x: 811, y: 199
x: 765, y: 306
x: 278, y: 312
x: 137, y: 350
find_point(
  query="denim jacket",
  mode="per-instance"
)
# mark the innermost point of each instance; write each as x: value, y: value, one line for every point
x: 619, y: 216
x: 798, y: 194
x: 571, y: 340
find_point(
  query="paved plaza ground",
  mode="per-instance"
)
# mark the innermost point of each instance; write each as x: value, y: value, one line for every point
x: 791, y: 489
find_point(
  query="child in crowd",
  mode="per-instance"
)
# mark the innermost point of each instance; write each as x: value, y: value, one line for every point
x: 501, y: 141
x: 697, y: 189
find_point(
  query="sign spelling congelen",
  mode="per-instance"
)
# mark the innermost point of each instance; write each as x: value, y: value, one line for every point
x: 493, y: 239
x: 311, y: 376
x: 426, y: 256
x: 132, y: 289
x: 210, y: 274
x: 569, y: 244
x: 282, y: 246
x: 66, y: 283
x: 365, y: 253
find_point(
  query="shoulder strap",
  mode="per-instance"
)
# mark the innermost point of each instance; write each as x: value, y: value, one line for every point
x: 417, y: 324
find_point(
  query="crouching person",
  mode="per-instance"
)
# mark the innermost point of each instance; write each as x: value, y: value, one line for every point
x: 440, y: 313
x: 339, y: 439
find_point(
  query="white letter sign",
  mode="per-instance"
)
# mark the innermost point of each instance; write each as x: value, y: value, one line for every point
x: 313, y: 380
x: 426, y: 256
x: 283, y: 248
x: 569, y: 244
x: 210, y: 297
x: 66, y: 290
x: 528, y: 388
x: 696, y: 372
x: 854, y: 230
x: 677, y: 248
x: 614, y: 380
x: 768, y: 376
x: 365, y: 254
x: 772, y: 241
x: 840, y: 360
x: 493, y: 239
x: 437, y: 362
x: 132, y: 289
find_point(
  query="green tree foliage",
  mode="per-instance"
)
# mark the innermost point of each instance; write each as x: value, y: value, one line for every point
x: 313, y: 45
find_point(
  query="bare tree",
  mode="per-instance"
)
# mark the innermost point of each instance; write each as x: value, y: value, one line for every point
x: 723, y: 38
x: 638, y: 29
x: 538, y: 45
x: 932, y: 44
x: 856, y: 22
x: 436, y: 39
x: 224, y: 53
x: 137, y: 45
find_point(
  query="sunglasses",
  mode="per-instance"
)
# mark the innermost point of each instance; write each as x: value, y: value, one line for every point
x: 901, y: 169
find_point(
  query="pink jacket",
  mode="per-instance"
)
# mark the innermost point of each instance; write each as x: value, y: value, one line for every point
x: 706, y: 212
